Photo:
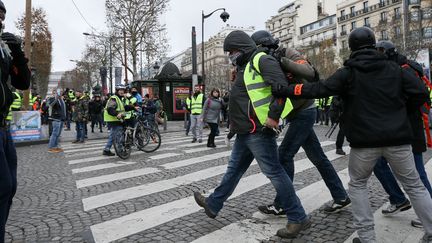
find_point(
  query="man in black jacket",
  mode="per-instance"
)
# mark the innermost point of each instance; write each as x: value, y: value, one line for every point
x: 300, y: 132
x: 13, y: 65
x: 254, y: 115
x: 96, y: 112
x: 398, y: 201
x: 57, y: 115
x: 377, y: 94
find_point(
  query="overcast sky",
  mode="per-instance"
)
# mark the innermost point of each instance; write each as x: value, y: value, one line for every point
x: 67, y: 25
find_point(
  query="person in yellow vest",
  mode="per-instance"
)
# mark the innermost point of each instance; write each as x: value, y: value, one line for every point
x: 114, y: 115
x: 327, y: 102
x: 130, y: 100
x: 188, y: 106
x: 197, y: 102
x: 300, y: 132
x: 16, y: 105
x: 254, y: 115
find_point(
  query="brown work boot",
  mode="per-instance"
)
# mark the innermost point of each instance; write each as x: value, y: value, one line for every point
x: 291, y: 230
x: 201, y: 201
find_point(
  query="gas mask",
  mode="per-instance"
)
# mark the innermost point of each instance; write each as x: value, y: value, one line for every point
x: 234, y: 57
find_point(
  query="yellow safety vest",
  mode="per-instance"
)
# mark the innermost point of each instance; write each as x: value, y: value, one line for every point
x: 329, y: 100
x: 120, y: 108
x: 196, y: 104
x: 16, y: 106
x: 260, y: 92
x: 188, y: 103
x: 129, y: 114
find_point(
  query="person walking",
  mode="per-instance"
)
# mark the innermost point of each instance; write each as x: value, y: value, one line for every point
x: 187, y: 107
x: 57, y: 116
x: 377, y: 95
x: 14, y: 67
x: 300, y: 132
x: 335, y: 112
x: 96, y: 112
x: 254, y: 123
x: 80, y: 115
x: 196, y: 114
x: 211, y: 111
x: 397, y: 199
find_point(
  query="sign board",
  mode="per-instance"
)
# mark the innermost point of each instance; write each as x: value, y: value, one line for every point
x: 179, y: 99
x: 25, y: 125
x: 147, y: 90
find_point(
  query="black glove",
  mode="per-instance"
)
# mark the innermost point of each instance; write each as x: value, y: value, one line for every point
x: 13, y: 42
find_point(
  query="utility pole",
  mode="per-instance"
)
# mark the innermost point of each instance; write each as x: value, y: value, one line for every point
x: 27, y: 46
x: 125, y: 57
x: 194, y: 60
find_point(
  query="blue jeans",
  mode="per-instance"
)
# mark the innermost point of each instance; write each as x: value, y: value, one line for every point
x: 301, y: 134
x: 113, y: 130
x: 57, y: 127
x: 263, y: 148
x: 8, y: 177
x: 385, y: 176
x: 80, y: 131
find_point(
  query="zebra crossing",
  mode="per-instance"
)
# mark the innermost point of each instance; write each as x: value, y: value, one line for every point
x: 180, y: 165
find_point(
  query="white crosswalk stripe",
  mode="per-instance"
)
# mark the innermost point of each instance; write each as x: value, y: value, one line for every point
x: 176, y: 153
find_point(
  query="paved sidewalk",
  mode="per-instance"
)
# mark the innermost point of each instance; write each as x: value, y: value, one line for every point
x: 69, y: 136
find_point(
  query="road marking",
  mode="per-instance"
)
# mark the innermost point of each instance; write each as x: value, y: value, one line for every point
x: 101, y: 167
x: 199, y: 144
x: 196, y: 150
x: 143, y: 190
x: 139, y: 221
x: 98, y: 158
x: 82, y: 145
x: 163, y: 156
x: 83, y: 154
x: 196, y: 160
x: 396, y: 228
x: 100, y: 148
x: 114, y: 177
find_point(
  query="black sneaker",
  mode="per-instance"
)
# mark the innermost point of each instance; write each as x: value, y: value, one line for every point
x: 291, y: 230
x: 392, y: 209
x: 340, y: 152
x: 194, y: 140
x: 271, y: 209
x: 76, y: 141
x: 201, y: 201
x: 416, y: 223
x: 108, y: 153
x: 356, y: 240
x: 338, y: 206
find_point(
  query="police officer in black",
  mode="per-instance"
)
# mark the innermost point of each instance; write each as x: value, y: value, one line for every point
x: 377, y: 95
x: 13, y: 65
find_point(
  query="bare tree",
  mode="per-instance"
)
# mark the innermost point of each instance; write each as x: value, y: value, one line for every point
x: 323, y: 56
x: 41, y: 48
x: 139, y: 19
x: 218, y: 76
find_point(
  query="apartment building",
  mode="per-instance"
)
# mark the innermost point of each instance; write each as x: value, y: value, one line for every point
x: 286, y: 25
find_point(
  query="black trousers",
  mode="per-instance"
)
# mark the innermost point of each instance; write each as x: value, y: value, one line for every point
x: 340, y: 138
x: 213, y: 131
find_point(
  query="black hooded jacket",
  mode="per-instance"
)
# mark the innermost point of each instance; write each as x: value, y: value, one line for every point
x: 377, y: 94
x: 242, y: 116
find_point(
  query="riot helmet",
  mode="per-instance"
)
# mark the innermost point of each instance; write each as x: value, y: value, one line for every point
x: 361, y: 38
x: 265, y: 38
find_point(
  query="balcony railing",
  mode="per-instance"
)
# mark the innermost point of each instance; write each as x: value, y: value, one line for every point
x: 342, y: 33
x: 364, y: 11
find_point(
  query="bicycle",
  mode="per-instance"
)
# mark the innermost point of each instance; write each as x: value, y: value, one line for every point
x: 147, y: 138
x: 123, y: 142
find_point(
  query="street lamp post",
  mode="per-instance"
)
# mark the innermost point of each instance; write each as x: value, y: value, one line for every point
x: 224, y: 16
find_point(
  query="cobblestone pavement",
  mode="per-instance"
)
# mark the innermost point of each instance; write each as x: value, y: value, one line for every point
x: 82, y: 196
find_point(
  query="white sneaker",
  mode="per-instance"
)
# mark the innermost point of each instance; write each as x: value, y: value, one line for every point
x: 227, y: 142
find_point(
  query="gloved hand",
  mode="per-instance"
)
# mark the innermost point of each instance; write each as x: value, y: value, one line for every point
x: 284, y: 91
x: 13, y: 42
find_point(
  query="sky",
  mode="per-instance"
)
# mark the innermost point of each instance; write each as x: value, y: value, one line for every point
x: 67, y: 25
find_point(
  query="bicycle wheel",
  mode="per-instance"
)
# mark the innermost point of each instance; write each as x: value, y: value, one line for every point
x: 154, y: 140
x: 122, y: 144
x: 140, y: 135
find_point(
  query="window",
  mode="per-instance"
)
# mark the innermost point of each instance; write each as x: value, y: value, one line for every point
x: 381, y: 3
x: 342, y: 13
x: 384, y: 35
x: 427, y: 13
x: 414, y: 1
x: 366, y: 22
x: 344, y: 44
x: 343, y: 28
x: 414, y: 16
x: 427, y: 32
x: 353, y: 25
x: 397, y: 13
x: 384, y: 16
x: 398, y: 31
x: 352, y: 10
x: 365, y: 6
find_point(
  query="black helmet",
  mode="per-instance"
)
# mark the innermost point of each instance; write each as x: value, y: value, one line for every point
x: 264, y: 38
x: 385, y: 46
x: 2, y: 6
x: 360, y: 38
